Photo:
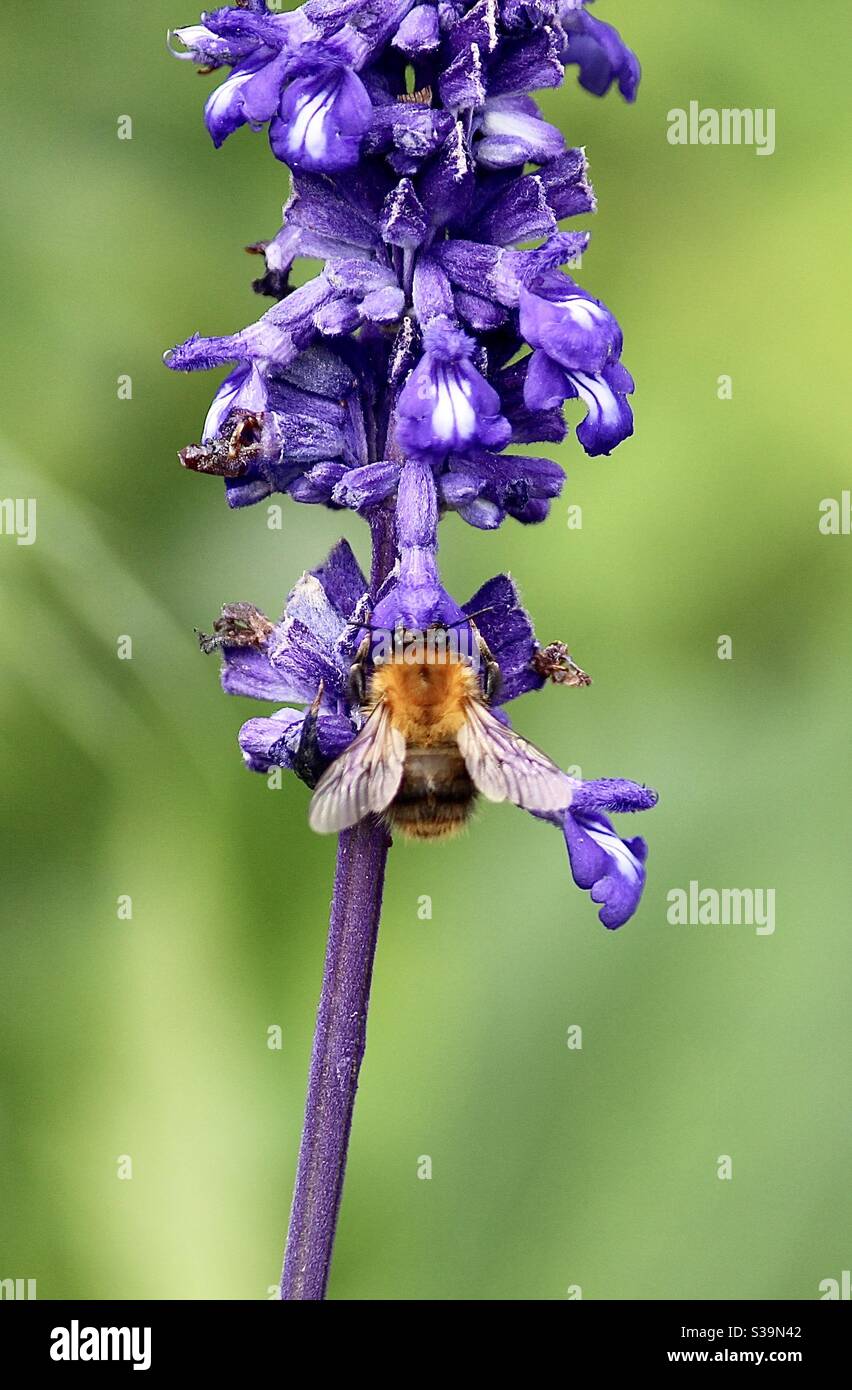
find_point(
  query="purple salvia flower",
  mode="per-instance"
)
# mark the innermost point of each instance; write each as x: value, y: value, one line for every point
x: 577, y: 346
x: 297, y: 430
x: 612, y: 869
x: 513, y: 132
x: 401, y: 180
x: 446, y: 405
x: 414, y: 595
x: 253, y: 43
x: 439, y: 330
x: 306, y: 658
x: 565, y: 323
x: 321, y: 120
x: 599, y: 51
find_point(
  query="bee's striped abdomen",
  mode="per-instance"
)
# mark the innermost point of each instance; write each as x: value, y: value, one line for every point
x: 436, y: 794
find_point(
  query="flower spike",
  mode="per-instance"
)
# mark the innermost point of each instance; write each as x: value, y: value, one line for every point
x: 402, y: 377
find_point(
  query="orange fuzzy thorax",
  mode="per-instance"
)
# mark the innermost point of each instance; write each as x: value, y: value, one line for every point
x: 427, y: 700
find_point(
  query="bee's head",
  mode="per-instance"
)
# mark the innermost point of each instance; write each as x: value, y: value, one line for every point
x: 436, y: 643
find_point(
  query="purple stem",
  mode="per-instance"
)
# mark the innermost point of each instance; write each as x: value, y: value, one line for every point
x: 341, y: 1028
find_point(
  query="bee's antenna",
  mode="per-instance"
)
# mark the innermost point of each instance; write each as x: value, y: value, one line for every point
x: 468, y: 617
x: 368, y: 627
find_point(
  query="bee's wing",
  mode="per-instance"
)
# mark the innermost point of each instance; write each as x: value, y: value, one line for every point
x: 364, y: 778
x: 505, y: 767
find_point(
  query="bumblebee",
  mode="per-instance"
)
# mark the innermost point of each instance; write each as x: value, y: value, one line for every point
x: 430, y: 743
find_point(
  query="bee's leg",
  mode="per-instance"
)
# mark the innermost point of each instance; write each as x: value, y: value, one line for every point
x: 358, y: 673
x: 491, y: 684
x: 308, y: 762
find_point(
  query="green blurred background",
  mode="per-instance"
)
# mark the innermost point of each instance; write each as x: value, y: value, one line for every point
x: 148, y: 1037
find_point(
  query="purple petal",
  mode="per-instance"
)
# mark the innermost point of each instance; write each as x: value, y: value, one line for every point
x: 261, y: 740
x: 273, y: 742
x: 447, y: 185
x: 446, y: 404
x: 342, y: 580
x: 498, y: 273
x: 611, y: 868
x: 304, y: 648
x: 279, y: 336
x: 243, y: 389
x: 403, y: 218
x: 462, y: 84
x: 245, y: 492
x: 521, y: 212
x: 304, y: 658
x: 202, y: 46
x: 250, y: 94
x: 445, y: 407
x: 601, y: 55
x: 508, y: 630
x: 507, y: 475
x: 529, y: 63
x: 322, y: 120
x: 483, y: 315
x: 317, y: 484
x: 480, y: 26
x: 331, y: 213
x: 615, y: 794
x: 419, y: 31
x: 248, y: 671
x: 337, y: 317
x: 574, y: 329
x: 482, y: 513
x: 385, y: 305
x: 362, y: 489
x: 532, y: 512
x: 546, y: 383
x: 433, y: 299
x: 609, y: 419
x: 513, y: 135
x: 566, y: 180
x: 528, y: 425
